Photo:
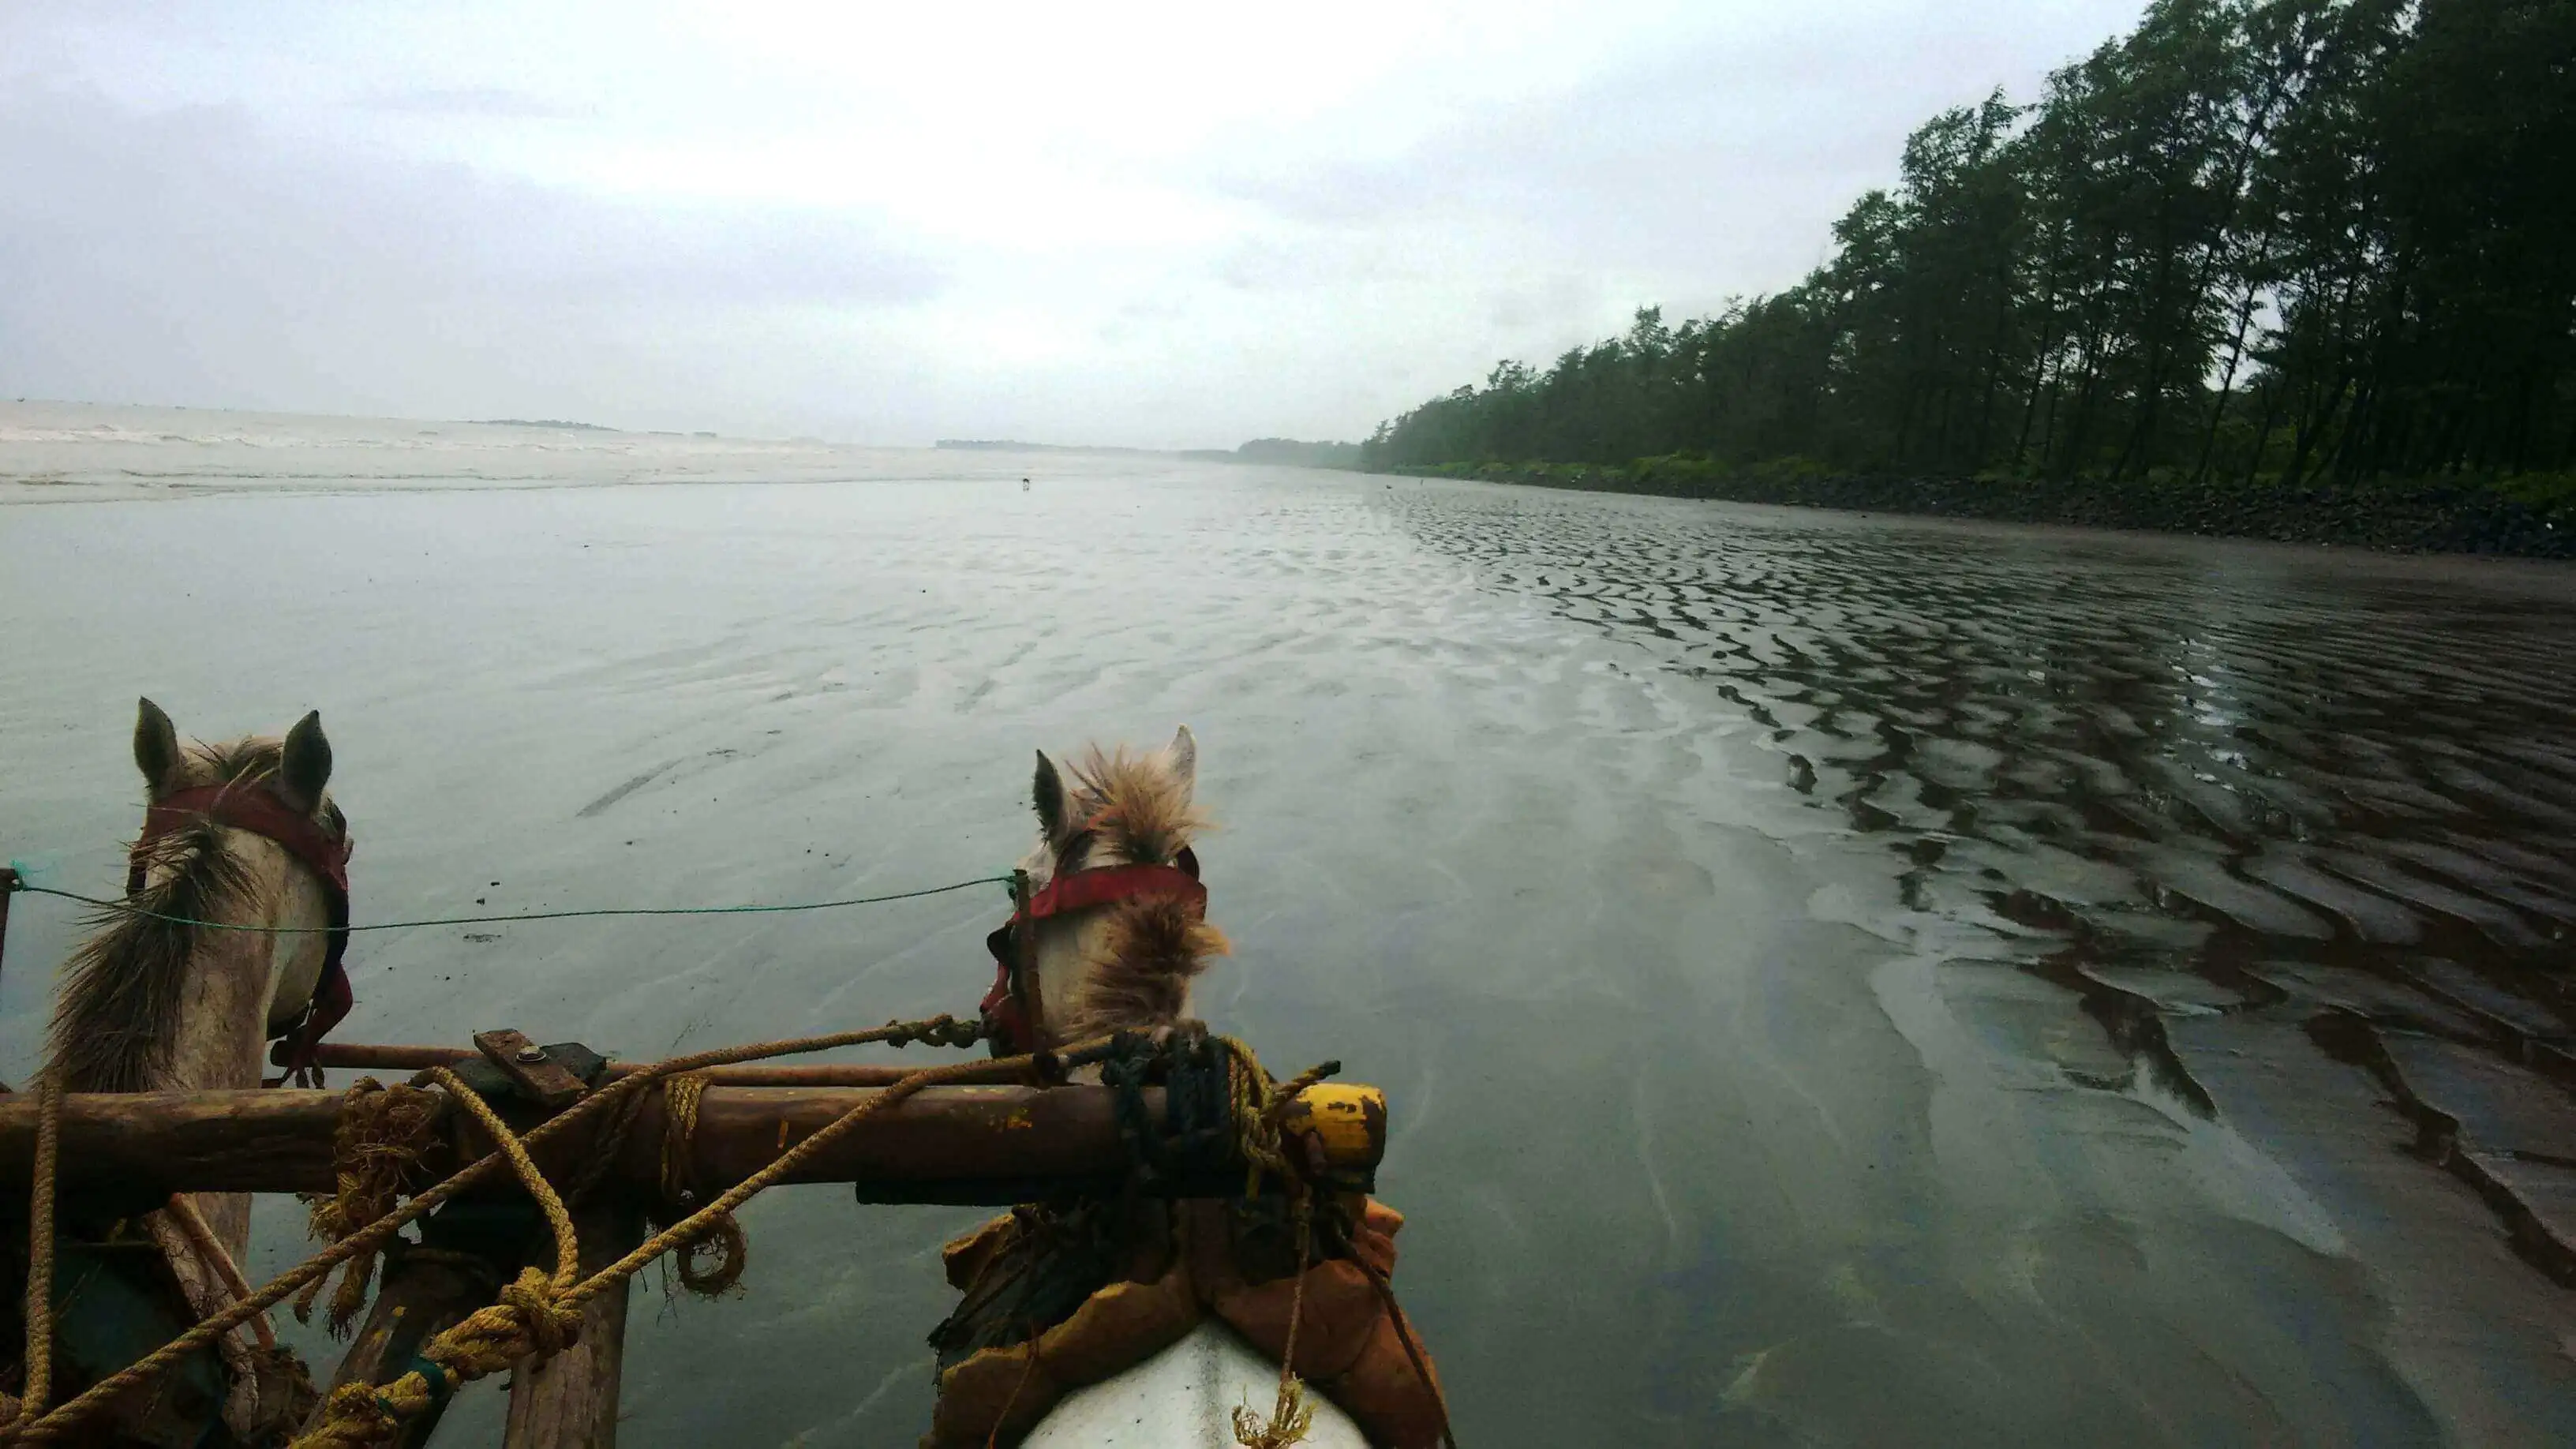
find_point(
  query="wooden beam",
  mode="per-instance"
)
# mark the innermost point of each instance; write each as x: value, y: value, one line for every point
x: 8, y: 888
x: 570, y: 1400
x: 405, y: 1057
x: 970, y: 1145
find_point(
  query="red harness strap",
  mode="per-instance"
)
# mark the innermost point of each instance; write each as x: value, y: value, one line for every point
x: 258, y: 810
x: 1107, y: 886
x: 1005, y: 1018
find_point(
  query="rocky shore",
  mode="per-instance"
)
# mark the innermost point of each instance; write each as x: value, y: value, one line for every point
x: 2415, y: 517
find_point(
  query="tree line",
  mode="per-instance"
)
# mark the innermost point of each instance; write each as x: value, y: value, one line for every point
x: 2300, y: 239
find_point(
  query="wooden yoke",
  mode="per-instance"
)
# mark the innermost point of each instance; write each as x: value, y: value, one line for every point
x: 986, y: 1145
x: 976, y: 1146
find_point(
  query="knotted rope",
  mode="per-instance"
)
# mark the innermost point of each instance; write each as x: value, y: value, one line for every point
x: 535, y: 1317
x: 384, y: 1132
x: 714, y: 1263
x: 943, y: 1030
x: 1258, y: 1107
x: 538, y: 1315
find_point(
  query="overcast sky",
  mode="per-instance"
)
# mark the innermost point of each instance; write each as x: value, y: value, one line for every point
x: 1153, y: 224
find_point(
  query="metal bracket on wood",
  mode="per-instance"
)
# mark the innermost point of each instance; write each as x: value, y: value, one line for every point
x: 553, y: 1077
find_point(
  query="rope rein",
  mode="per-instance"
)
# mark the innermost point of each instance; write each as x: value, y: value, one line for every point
x: 18, y: 882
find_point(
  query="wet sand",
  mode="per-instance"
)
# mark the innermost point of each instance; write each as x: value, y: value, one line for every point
x: 1839, y: 980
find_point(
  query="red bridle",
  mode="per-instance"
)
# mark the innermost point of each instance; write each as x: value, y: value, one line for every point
x: 1006, y: 1017
x: 257, y: 809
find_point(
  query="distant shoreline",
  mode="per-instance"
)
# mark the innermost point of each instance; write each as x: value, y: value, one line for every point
x: 1286, y: 452
x: 2408, y: 517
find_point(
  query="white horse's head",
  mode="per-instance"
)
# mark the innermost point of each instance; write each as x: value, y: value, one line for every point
x: 154, y: 1003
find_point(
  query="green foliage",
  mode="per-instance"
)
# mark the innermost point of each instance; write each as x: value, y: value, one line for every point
x: 1297, y: 454
x: 2325, y: 240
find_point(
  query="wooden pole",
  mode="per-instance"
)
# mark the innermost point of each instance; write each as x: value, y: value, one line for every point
x: 963, y: 1145
x: 404, y: 1057
x: 570, y: 1401
x: 1024, y: 950
x: 8, y: 888
x: 422, y: 1295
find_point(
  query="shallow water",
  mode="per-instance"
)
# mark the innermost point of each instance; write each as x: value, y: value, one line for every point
x: 1839, y: 980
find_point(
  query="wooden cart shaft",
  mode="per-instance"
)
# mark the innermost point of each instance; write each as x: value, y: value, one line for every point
x: 991, y: 1145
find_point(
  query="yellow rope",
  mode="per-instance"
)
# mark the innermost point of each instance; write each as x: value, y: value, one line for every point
x: 539, y: 1314
x: 1258, y: 1105
x: 40, y: 1248
x: 942, y: 1030
x: 558, y: 1218
x: 535, y: 1318
x: 1291, y: 1416
x: 383, y: 1133
x: 726, y: 1247
x: 787, y: 1162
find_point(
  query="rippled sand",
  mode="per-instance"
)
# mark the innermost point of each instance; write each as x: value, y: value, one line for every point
x: 1840, y: 981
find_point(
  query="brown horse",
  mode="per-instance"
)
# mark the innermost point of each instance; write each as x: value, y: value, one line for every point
x: 1120, y: 936
x: 1124, y: 964
x: 154, y: 1002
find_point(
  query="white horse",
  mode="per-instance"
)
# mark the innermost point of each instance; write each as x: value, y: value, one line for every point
x: 242, y: 834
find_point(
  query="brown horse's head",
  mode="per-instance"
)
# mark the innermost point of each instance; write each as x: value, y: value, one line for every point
x: 1127, y: 965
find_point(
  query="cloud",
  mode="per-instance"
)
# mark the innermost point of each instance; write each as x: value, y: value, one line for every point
x: 488, y: 102
x: 1150, y: 223
x: 194, y: 255
x: 1724, y: 160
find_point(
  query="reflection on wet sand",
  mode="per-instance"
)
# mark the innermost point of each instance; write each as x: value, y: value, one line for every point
x: 2265, y: 813
x: 1838, y: 981
x: 2215, y: 781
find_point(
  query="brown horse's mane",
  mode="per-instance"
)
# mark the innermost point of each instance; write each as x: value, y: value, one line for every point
x: 116, y: 1021
x: 1133, y: 809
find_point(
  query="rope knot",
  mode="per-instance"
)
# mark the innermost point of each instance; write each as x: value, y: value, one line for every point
x: 711, y: 1262
x: 940, y: 1030
x: 357, y: 1415
x: 548, y: 1323
x: 384, y: 1133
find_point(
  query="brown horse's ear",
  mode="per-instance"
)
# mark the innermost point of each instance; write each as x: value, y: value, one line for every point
x: 1047, y: 790
x: 1185, y: 757
x: 305, y: 765
x: 156, y: 746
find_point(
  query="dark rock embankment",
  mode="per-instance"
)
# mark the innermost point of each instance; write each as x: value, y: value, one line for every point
x: 2417, y: 517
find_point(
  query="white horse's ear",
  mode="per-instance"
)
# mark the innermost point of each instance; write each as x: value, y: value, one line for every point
x: 1047, y: 792
x: 305, y: 766
x: 156, y: 745
x: 1185, y: 756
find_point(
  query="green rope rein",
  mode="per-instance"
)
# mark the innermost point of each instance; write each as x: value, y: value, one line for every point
x: 133, y: 910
